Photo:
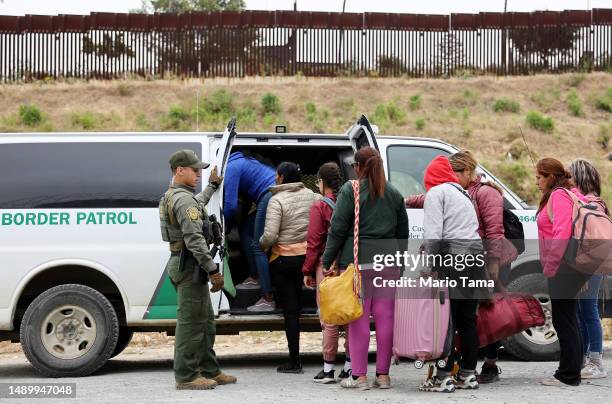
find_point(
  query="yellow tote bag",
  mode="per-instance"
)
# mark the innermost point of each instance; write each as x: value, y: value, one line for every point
x: 339, y: 296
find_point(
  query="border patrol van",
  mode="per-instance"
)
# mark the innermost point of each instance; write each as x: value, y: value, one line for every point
x: 81, y: 255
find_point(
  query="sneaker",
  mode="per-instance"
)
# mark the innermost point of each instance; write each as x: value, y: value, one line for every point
x: 344, y: 374
x: 382, y: 382
x: 361, y: 383
x: 222, y: 378
x: 488, y: 374
x: 466, y: 383
x: 262, y: 306
x: 551, y: 381
x: 438, y: 385
x: 325, y: 378
x: 249, y: 283
x: 200, y: 383
x: 290, y: 367
x: 592, y: 371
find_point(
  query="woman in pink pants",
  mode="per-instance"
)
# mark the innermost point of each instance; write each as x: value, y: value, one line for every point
x: 383, y: 229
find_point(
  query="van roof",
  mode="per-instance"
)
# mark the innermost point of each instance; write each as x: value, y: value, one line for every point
x: 268, y: 135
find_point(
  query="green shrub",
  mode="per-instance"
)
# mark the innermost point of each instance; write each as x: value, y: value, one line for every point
x: 380, y: 115
x: 513, y: 174
x: 246, y: 117
x: 603, y: 138
x: 604, y: 102
x: 465, y: 114
x: 415, y: 102
x: 177, y: 118
x: 506, y: 105
x: 395, y: 113
x: 85, y: 120
x: 270, y: 104
x: 311, y: 108
x: 420, y: 123
x: 540, y: 122
x: 125, y: 90
x: 574, y: 104
x: 219, y: 103
x: 30, y: 115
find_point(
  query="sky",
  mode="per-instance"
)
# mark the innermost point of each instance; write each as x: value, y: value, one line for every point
x: 22, y: 7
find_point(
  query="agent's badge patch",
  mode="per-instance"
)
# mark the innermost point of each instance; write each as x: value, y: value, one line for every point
x: 193, y: 213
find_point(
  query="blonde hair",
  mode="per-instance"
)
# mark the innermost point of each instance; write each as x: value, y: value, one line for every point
x: 464, y: 161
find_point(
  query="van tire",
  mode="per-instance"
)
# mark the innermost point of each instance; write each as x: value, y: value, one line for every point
x: 97, y: 317
x: 125, y: 336
x: 520, y: 345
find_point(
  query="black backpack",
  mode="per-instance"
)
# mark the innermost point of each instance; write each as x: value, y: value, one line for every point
x: 513, y: 230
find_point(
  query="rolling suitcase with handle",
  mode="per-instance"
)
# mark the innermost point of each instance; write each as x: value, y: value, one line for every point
x: 422, y: 328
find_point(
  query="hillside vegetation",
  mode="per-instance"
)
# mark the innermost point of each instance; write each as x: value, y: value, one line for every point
x: 563, y: 116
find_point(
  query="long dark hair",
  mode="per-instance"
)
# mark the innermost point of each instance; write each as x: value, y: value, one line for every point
x: 331, y: 176
x: 371, y: 167
x: 550, y: 167
x: 290, y: 171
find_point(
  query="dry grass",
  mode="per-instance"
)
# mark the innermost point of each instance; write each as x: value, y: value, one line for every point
x: 456, y: 110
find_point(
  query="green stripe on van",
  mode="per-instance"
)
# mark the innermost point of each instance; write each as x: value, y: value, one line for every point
x: 163, y: 303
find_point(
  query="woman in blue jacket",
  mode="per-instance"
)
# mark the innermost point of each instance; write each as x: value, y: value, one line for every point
x: 250, y: 177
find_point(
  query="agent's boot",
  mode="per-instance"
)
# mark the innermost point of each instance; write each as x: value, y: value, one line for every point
x: 200, y: 383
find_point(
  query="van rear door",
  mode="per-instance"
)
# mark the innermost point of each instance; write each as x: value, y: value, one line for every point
x: 362, y: 134
x: 223, y: 153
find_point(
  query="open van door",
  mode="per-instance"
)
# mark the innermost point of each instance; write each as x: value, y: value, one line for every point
x: 362, y: 134
x: 223, y: 153
x: 216, y: 204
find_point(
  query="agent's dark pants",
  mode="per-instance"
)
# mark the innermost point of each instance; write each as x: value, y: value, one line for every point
x: 563, y: 288
x: 195, y: 327
x: 287, y: 279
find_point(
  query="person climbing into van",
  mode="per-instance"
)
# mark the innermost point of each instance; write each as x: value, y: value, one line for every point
x: 451, y: 229
x: 329, y: 181
x: 249, y: 175
x: 488, y: 200
x: 285, y: 234
x: 554, y: 219
x: 588, y: 181
x: 383, y: 225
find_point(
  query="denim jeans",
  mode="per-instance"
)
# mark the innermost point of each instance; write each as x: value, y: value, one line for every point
x: 588, y: 317
x: 250, y: 233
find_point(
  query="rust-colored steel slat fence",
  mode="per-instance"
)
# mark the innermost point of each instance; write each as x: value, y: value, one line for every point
x: 238, y: 44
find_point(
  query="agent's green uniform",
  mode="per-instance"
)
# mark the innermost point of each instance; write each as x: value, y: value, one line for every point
x: 195, y: 326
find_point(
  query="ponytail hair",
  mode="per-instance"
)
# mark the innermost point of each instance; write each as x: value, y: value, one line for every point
x: 371, y: 167
x: 330, y: 174
x: 290, y: 171
x: 463, y: 161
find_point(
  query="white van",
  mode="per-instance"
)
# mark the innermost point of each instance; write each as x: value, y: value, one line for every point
x: 83, y: 261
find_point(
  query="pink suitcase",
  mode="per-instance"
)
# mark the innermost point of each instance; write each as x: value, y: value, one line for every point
x: 422, y: 329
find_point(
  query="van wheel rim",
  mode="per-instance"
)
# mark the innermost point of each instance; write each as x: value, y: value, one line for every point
x: 68, y: 332
x: 545, y: 334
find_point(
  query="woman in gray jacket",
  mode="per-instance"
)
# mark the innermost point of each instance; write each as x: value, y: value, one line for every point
x: 285, y: 234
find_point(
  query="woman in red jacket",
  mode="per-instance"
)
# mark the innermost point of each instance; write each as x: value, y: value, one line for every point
x: 488, y: 200
x: 329, y: 182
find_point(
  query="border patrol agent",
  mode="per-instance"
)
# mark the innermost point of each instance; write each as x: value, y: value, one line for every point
x: 184, y: 220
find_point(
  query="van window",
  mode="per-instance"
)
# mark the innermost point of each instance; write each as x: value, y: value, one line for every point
x: 85, y: 175
x: 407, y: 166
